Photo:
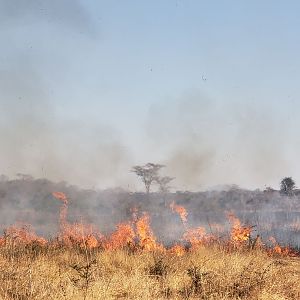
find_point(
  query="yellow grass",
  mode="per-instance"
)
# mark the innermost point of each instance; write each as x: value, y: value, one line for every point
x: 207, y: 273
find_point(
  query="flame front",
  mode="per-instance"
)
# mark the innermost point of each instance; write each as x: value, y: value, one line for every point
x: 22, y: 234
x: 63, y: 210
x: 77, y: 233
x: 181, y: 211
x: 122, y: 237
x: 138, y: 235
x: 146, y: 237
x: 177, y: 250
x: 277, y: 249
x: 239, y: 233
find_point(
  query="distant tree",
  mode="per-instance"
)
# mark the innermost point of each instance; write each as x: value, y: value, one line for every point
x: 269, y: 189
x: 287, y: 186
x: 148, y: 173
x: 163, y: 183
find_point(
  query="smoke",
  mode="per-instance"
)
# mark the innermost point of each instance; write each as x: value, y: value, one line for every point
x: 207, y: 142
x: 35, y: 139
x: 37, y: 142
x: 203, y: 141
x: 182, y: 131
x: 30, y: 201
x: 263, y: 138
x: 60, y: 13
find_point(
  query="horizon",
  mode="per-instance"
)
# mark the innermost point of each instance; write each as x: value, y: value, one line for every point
x: 141, y: 188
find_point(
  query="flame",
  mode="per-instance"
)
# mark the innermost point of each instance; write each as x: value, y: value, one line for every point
x: 136, y: 234
x: 22, y: 234
x: 77, y: 233
x: 146, y: 237
x: 64, y: 209
x: 181, y: 211
x: 197, y: 237
x: 60, y: 196
x: 177, y: 250
x: 277, y: 249
x: 91, y: 242
x: 239, y: 234
x: 122, y: 237
x: 80, y: 234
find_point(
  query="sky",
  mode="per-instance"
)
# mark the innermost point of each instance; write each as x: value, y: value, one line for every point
x: 208, y: 88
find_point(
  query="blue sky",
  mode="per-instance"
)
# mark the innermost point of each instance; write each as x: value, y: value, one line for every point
x: 210, y: 88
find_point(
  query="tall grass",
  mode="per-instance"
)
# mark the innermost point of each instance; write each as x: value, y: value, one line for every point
x: 210, y: 272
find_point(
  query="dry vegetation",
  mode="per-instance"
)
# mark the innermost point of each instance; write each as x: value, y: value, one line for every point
x: 81, y: 263
x: 210, y: 272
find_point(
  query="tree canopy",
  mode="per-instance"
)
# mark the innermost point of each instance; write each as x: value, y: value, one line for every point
x: 148, y: 173
x: 287, y: 186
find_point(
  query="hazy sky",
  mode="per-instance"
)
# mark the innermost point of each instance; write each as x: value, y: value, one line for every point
x: 209, y: 88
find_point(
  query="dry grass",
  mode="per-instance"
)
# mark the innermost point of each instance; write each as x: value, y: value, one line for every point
x: 208, y: 273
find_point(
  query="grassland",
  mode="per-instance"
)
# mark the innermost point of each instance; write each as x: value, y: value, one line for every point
x: 130, y: 263
x: 211, y: 272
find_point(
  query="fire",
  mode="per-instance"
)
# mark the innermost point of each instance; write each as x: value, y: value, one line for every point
x: 122, y: 237
x: 197, y: 237
x: 22, y: 234
x: 136, y: 234
x: 177, y: 250
x: 77, y: 233
x: 146, y: 237
x: 239, y: 234
x: 277, y: 249
x: 60, y: 196
x: 81, y: 234
x: 91, y: 242
x: 64, y: 209
x: 181, y: 211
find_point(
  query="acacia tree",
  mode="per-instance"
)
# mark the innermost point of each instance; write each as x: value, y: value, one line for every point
x: 163, y: 183
x: 148, y: 173
x: 287, y: 186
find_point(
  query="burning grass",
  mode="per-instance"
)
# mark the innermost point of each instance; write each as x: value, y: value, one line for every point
x: 130, y: 263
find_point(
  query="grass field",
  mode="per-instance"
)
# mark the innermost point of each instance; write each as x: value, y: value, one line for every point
x: 208, y: 272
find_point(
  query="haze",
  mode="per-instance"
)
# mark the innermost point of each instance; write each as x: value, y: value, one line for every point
x: 208, y: 88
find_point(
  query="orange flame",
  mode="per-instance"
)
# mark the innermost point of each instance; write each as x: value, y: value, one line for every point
x: 60, y: 196
x: 181, y: 211
x: 277, y: 249
x: 122, y: 237
x: 78, y: 233
x: 136, y: 234
x: 197, y: 237
x: 177, y: 250
x: 22, y: 234
x: 146, y: 237
x: 63, y: 210
x: 239, y: 234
